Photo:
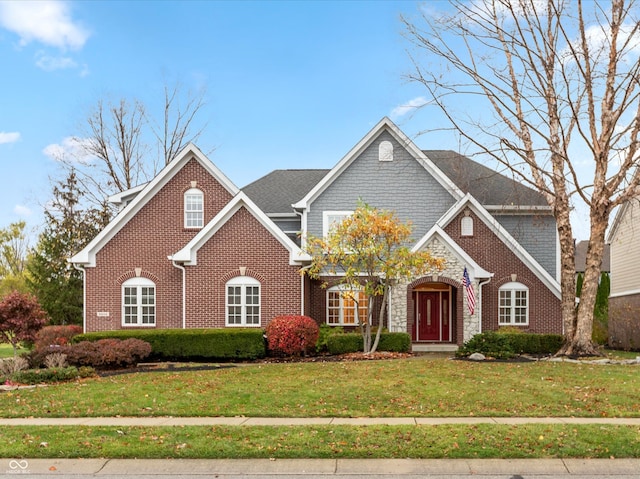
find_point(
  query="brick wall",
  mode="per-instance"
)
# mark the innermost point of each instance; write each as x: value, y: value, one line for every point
x: 157, y: 231
x: 494, y: 256
x: 242, y: 244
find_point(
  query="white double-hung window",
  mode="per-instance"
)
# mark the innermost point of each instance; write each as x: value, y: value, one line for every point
x: 138, y: 302
x: 346, y: 307
x: 332, y: 218
x: 243, y: 302
x: 513, y: 304
x: 193, y: 208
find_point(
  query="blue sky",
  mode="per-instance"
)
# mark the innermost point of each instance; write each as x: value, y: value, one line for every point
x: 289, y: 84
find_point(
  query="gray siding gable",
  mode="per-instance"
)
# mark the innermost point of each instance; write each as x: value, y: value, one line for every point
x: 402, y: 185
x: 536, y: 234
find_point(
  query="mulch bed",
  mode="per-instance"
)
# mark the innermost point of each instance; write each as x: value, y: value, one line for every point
x: 171, y: 367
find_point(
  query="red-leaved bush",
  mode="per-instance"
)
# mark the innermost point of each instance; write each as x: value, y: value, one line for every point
x: 56, y: 335
x: 107, y: 353
x: 292, y: 335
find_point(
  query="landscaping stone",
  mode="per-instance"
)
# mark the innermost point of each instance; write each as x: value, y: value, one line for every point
x: 477, y: 357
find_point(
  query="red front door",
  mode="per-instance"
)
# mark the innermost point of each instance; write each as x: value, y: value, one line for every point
x: 432, y: 316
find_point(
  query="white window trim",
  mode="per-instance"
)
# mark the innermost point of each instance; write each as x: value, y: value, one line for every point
x: 325, y: 220
x: 139, y: 283
x: 341, y: 288
x: 512, y: 287
x: 194, y: 192
x: 243, y: 282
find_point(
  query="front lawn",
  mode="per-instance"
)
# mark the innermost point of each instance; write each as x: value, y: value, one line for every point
x: 408, y: 387
x: 6, y: 351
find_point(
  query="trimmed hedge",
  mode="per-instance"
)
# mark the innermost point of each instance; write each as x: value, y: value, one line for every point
x: 181, y: 344
x: 353, y: 343
x: 502, y: 345
x: 52, y: 375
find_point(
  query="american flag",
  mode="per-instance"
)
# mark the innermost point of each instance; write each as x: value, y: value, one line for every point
x: 469, y: 293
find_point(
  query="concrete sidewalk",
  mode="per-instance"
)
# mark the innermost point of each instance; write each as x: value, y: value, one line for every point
x: 323, y: 467
x: 304, y: 421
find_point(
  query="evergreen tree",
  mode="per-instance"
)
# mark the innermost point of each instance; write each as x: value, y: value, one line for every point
x: 69, y: 227
x: 579, y: 282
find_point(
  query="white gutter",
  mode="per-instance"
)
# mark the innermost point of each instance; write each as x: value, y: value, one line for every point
x: 184, y: 291
x: 84, y: 296
x: 480, y: 285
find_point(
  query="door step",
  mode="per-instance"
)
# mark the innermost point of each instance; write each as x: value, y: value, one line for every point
x: 433, y: 348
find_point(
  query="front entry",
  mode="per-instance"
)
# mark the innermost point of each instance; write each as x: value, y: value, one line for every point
x: 432, y: 316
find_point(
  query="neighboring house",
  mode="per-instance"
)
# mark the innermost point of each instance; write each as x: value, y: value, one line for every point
x: 190, y: 250
x: 624, y: 296
x: 581, y: 257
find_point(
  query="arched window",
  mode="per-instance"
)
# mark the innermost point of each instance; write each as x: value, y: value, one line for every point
x: 513, y: 304
x: 341, y: 306
x: 385, y: 151
x: 193, y: 208
x: 466, y: 226
x: 138, y: 302
x: 243, y: 302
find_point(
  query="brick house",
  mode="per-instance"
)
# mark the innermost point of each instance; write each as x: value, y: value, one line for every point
x: 189, y: 249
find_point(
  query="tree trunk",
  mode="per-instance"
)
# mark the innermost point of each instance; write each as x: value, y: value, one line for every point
x: 580, y: 343
x: 385, y: 295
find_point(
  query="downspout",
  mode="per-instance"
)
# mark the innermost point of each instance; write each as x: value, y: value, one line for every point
x: 480, y: 285
x: 184, y: 292
x: 84, y: 296
x: 302, y: 275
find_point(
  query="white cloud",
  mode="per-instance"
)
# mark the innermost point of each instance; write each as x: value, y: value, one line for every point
x: 45, y: 21
x: 22, y: 210
x: 9, y: 137
x: 71, y: 150
x: 409, y: 107
x: 49, y: 63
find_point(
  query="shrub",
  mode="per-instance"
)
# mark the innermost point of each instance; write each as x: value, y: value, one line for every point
x: 353, y: 343
x: 324, y: 332
x: 292, y: 335
x: 39, y: 376
x: 56, y: 335
x: 507, y: 344
x: 55, y: 360
x: 107, y: 353
x: 193, y: 344
x: 490, y: 344
x: 9, y: 366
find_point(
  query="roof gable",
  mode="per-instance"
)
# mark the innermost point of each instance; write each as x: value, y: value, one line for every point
x: 189, y: 254
x: 475, y: 270
x: 384, y: 125
x: 87, y: 256
x: 501, y: 233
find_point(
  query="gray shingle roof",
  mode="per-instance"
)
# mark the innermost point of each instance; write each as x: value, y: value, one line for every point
x: 581, y: 257
x: 277, y: 191
x: 486, y: 185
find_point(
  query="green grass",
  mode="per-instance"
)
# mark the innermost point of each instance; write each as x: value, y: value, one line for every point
x: 398, y: 388
x: 450, y: 441
x: 414, y: 387
x: 6, y: 351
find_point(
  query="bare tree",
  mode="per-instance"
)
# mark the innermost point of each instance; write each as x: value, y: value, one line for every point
x: 121, y: 145
x: 178, y: 120
x: 561, y: 80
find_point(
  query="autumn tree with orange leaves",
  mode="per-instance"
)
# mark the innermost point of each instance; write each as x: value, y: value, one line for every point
x: 370, y: 251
